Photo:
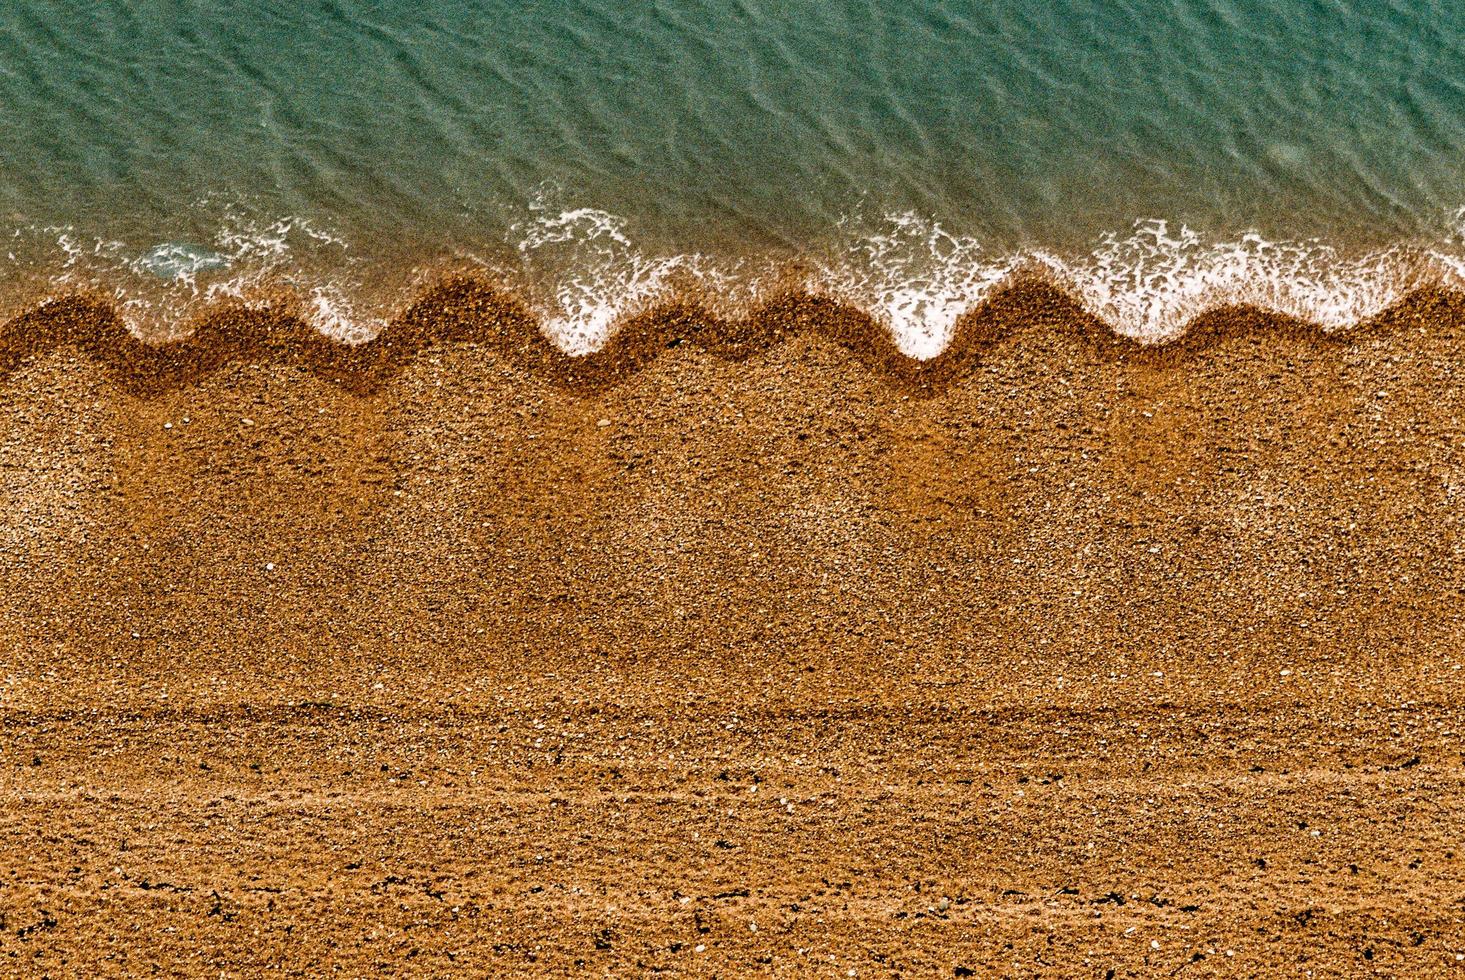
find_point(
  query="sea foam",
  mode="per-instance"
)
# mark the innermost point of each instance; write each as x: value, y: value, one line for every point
x: 914, y: 277
x: 591, y: 275
x: 583, y: 272
x: 1149, y: 284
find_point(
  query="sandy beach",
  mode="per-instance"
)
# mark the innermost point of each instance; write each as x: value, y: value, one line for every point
x: 738, y: 648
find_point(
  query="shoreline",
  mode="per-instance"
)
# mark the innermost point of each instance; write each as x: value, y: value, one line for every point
x: 918, y: 284
x: 470, y: 310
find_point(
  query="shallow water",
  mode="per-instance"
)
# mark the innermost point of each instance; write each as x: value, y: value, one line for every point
x: 1158, y: 157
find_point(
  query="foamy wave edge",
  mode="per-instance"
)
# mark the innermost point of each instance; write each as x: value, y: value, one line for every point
x: 909, y: 275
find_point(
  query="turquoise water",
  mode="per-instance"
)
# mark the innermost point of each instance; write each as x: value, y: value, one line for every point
x: 1159, y: 156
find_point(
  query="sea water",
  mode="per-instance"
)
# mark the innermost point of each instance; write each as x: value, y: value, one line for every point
x: 1156, y: 157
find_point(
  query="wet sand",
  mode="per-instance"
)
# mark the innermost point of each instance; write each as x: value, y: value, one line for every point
x: 739, y: 648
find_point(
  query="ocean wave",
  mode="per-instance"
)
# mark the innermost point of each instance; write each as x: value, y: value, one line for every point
x: 1151, y: 283
x: 915, y: 278
x: 582, y: 274
x: 592, y: 275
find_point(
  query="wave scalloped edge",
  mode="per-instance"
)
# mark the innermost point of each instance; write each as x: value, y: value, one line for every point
x: 582, y: 278
x: 473, y: 310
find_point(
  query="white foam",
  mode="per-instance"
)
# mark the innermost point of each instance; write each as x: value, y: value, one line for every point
x: 1448, y: 260
x: 178, y: 261
x: 914, y: 277
x: 331, y: 311
x: 296, y: 254
x: 158, y: 289
x: 584, y: 272
x: 1149, y: 284
x: 1450, y: 268
x: 273, y: 250
x: 596, y: 274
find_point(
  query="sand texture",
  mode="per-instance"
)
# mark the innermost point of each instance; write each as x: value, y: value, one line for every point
x: 740, y: 648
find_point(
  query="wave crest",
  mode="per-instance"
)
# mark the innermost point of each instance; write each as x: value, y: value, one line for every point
x: 1151, y: 283
x: 583, y: 274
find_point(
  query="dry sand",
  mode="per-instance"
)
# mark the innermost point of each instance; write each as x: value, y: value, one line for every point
x: 741, y: 648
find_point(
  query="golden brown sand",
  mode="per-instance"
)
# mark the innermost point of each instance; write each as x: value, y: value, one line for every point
x: 740, y: 648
